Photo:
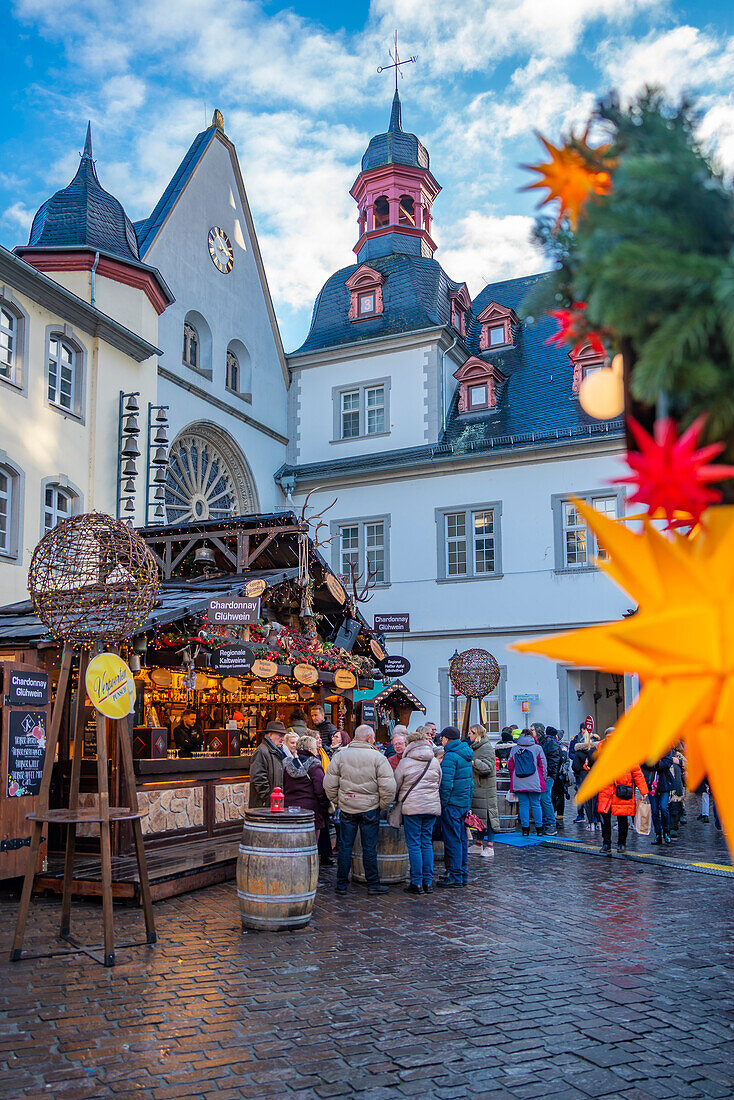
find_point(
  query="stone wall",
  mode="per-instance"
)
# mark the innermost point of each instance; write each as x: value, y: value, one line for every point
x: 174, y: 808
x: 230, y: 801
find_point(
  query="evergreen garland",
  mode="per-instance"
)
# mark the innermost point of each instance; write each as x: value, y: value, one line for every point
x: 654, y: 261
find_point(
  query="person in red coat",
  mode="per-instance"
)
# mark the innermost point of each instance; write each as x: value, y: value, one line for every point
x: 618, y: 799
x: 303, y: 782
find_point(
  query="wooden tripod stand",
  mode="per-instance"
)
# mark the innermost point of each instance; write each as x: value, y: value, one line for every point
x: 103, y: 814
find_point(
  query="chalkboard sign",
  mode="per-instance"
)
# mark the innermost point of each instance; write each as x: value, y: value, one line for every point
x: 233, y: 659
x: 26, y: 752
x: 396, y: 623
x: 369, y: 717
x: 242, y: 610
x: 24, y: 687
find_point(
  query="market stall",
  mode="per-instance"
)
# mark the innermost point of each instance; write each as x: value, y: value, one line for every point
x: 250, y: 623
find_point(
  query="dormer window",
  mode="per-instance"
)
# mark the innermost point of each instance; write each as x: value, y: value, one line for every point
x: 365, y: 304
x: 478, y: 383
x: 365, y: 287
x: 496, y: 321
x: 460, y: 304
x: 477, y: 397
x: 585, y: 361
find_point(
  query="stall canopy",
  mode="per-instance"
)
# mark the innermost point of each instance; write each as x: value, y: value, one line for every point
x: 201, y: 561
x: 396, y: 696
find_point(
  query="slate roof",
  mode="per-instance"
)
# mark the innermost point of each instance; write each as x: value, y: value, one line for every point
x: 415, y: 296
x: 537, y: 395
x: 85, y: 215
x: 147, y: 228
x: 395, y: 146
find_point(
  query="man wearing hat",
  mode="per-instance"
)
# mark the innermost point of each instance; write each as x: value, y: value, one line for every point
x: 266, y: 767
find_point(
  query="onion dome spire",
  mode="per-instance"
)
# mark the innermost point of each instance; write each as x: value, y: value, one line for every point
x: 84, y: 215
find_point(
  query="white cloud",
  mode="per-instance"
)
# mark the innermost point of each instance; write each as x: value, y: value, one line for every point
x: 472, y: 35
x: 682, y: 60
x: 489, y: 247
x: 18, y: 217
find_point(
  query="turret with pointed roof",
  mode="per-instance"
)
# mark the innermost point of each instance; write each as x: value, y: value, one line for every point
x: 395, y: 191
x: 85, y: 228
x: 85, y: 215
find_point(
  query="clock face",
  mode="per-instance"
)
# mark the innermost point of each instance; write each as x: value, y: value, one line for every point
x: 220, y: 249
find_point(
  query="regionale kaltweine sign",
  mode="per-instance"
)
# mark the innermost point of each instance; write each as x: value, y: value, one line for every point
x: 233, y: 659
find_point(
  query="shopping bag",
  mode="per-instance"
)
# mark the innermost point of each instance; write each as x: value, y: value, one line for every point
x: 642, y: 818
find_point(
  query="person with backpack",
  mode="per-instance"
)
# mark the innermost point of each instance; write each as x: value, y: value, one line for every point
x: 618, y: 800
x: 527, y: 768
x: 659, y: 778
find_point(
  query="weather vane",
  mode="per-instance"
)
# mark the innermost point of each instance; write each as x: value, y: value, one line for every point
x: 396, y: 62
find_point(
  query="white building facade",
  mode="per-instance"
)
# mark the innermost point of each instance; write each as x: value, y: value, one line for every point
x: 222, y: 371
x: 452, y: 437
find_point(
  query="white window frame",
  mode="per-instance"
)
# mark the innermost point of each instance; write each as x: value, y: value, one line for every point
x: 13, y: 494
x: 470, y: 540
x: 350, y: 414
x: 364, y: 549
x: 363, y: 408
x: 9, y: 336
x: 7, y: 497
x: 54, y: 389
x: 614, y: 506
x: 58, y: 492
x: 492, y: 329
x: 375, y: 408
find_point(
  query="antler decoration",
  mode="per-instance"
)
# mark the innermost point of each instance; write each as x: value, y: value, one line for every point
x: 362, y: 597
x: 311, y: 525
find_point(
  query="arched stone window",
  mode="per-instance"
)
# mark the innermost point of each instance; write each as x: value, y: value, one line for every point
x: 208, y: 477
x: 239, y: 370
x: 191, y: 355
x: 382, y: 212
x: 197, y: 343
x: 406, y: 214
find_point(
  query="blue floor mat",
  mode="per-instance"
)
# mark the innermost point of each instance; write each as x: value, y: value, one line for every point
x: 516, y: 840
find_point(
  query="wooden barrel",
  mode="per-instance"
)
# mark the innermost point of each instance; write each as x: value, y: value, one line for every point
x: 277, y: 869
x: 392, y: 856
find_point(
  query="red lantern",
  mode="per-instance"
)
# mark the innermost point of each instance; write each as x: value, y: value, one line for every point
x: 277, y: 802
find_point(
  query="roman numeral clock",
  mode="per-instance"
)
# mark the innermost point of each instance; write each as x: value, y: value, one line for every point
x: 220, y: 250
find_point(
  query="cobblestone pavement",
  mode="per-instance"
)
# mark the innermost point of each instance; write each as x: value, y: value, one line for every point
x: 553, y: 975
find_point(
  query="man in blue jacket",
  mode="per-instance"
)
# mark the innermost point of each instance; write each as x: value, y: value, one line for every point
x: 456, y: 792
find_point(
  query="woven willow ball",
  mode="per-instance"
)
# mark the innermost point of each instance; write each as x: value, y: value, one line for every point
x: 474, y: 673
x: 92, y: 579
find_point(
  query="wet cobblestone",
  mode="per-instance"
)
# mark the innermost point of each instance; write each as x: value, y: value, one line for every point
x: 554, y: 974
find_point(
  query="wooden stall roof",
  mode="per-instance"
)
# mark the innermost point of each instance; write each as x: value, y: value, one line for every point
x: 397, y: 694
x: 263, y: 546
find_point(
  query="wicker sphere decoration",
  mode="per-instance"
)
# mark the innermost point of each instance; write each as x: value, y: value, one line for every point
x: 474, y: 673
x: 92, y: 579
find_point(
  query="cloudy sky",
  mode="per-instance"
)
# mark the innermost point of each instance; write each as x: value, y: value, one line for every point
x: 301, y: 96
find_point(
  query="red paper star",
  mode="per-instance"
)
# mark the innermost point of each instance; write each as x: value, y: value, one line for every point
x: 569, y: 330
x: 670, y: 474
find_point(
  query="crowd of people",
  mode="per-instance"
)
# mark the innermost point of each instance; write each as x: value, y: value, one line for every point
x: 440, y: 786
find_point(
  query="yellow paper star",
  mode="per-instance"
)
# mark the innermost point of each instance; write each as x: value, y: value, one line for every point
x: 569, y: 177
x: 680, y: 644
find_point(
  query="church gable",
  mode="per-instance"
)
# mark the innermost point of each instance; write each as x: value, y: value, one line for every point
x: 202, y: 232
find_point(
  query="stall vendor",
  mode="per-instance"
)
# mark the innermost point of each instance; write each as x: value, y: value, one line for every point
x: 187, y: 734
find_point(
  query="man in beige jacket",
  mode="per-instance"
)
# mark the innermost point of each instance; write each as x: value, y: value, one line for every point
x: 360, y: 783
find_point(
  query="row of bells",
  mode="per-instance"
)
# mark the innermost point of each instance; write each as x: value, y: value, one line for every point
x: 130, y: 451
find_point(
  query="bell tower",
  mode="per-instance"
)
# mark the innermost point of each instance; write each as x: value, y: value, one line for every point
x: 394, y: 192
